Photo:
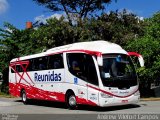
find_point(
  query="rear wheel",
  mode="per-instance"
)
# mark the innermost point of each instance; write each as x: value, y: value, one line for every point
x: 24, y: 97
x: 71, y: 101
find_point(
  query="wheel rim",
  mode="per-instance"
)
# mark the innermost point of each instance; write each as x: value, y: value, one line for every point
x: 72, y: 101
x: 24, y: 97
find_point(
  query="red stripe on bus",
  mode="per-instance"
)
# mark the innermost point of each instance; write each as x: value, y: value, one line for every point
x: 80, y: 50
x: 36, y: 93
x: 106, y: 92
x: 133, y: 54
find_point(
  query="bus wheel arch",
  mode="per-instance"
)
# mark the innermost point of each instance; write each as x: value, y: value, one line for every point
x: 24, y: 96
x: 70, y: 99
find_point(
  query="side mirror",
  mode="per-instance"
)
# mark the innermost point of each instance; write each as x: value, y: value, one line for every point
x: 140, y: 58
x: 100, y: 59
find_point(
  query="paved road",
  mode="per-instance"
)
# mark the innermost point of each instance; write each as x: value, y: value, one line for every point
x: 15, y: 106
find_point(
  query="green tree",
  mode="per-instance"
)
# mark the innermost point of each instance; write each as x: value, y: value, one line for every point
x: 8, y: 44
x: 149, y: 46
x: 118, y: 27
x: 121, y: 26
x: 80, y: 8
x: 14, y: 43
x: 55, y: 32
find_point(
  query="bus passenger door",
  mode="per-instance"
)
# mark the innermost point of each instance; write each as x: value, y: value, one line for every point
x: 92, y: 85
x: 77, y: 74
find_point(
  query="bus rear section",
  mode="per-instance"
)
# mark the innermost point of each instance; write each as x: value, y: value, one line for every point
x: 40, y: 76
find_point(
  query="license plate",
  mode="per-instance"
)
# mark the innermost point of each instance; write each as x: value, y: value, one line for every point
x: 124, y: 101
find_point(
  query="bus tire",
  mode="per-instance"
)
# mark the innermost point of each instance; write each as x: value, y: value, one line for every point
x: 71, y: 101
x: 24, y: 97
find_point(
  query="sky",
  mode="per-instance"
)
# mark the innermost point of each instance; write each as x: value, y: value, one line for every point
x: 18, y: 12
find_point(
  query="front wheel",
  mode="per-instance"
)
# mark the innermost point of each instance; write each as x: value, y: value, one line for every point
x: 71, y: 101
x: 24, y: 97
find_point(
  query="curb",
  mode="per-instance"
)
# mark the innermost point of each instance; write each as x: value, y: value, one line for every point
x: 3, y: 96
x: 6, y: 96
x: 149, y: 99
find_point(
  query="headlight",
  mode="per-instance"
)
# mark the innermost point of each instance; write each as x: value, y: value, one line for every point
x: 103, y: 95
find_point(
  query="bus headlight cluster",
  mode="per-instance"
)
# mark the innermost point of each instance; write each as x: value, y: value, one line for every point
x: 103, y: 95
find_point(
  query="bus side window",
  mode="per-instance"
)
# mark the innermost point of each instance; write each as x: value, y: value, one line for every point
x: 76, y: 64
x: 56, y: 61
x: 42, y: 63
x: 56, y: 64
x: 30, y: 66
x: 34, y: 66
x: 19, y: 68
x: 82, y: 66
x: 91, y: 70
x: 37, y: 64
x: 12, y: 69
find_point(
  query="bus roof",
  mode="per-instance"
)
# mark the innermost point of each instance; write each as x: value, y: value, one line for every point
x: 99, y: 46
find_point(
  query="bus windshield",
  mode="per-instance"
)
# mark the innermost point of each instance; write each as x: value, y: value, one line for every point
x: 118, y: 71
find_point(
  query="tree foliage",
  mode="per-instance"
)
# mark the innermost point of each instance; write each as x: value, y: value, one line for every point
x: 118, y: 26
x: 80, y: 8
x: 149, y: 46
x: 15, y: 43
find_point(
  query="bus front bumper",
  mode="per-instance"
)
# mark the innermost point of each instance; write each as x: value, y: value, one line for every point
x: 116, y: 101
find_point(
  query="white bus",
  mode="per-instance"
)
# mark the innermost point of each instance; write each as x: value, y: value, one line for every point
x: 97, y: 73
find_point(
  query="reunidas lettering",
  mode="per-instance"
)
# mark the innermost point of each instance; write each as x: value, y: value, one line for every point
x: 47, y: 77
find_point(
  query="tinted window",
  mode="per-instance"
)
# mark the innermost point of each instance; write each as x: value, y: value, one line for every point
x: 30, y: 66
x: 43, y: 63
x: 19, y: 68
x: 118, y: 71
x: 56, y: 62
x: 82, y: 66
x: 40, y: 63
x: 12, y: 71
x: 91, y: 71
